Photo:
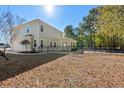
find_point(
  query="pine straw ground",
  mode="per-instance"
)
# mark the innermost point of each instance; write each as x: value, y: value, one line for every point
x: 74, y: 70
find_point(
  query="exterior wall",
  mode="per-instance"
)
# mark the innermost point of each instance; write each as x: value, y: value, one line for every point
x: 49, y: 34
x: 21, y: 32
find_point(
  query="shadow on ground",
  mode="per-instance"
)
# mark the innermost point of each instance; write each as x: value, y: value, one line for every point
x: 21, y: 63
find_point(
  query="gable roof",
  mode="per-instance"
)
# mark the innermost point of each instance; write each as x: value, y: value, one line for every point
x: 36, y: 20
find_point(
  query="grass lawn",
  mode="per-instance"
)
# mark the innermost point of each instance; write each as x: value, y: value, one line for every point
x: 55, y: 70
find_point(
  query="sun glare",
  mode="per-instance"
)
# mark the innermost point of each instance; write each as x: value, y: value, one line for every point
x: 49, y: 8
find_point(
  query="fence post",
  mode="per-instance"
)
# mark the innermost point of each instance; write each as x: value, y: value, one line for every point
x: 41, y: 48
x: 47, y: 49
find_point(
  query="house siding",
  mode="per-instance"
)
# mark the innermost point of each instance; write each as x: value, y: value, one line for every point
x: 49, y: 34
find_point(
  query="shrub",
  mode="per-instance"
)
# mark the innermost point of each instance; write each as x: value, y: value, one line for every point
x: 74, y: 49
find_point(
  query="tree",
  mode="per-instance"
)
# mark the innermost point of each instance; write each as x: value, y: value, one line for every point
x: 80, y: 39
x: 110, y: 27
x: 25, y: 43
x: 89, y: 27
x: 7, y: 23
x: 69, y: 31
x: 103, y: 28
x: 80, y: 36
x: 19, y: 20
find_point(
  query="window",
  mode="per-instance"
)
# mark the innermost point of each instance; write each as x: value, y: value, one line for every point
x: 54, y: 44
x: 41, y: 43
x: 27, y: 30
x: 64, y: 44
x: 35, y: 44
x: 41, y: 28
x: 50, y: 44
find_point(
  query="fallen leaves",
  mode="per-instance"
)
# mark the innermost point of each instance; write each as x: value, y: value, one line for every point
x: 75, y: 70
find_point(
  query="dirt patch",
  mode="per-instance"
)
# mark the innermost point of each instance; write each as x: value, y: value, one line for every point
x: 22, y: 63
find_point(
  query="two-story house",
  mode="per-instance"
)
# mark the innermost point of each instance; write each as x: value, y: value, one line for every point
x: 39, y: 34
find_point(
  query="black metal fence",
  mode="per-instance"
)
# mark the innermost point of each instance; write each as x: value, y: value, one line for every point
x: 56, y: 49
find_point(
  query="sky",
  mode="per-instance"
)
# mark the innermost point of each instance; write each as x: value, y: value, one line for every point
x: 58, y: 16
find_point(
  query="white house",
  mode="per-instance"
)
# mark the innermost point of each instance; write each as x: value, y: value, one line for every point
x: 39, y: 34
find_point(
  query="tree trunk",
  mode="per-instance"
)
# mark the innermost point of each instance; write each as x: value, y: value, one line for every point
x: 3, y: 55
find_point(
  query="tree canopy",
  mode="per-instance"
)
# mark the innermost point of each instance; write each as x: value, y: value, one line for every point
x: 7, y: 22
x: 102, y: 28
x: 69, y: 31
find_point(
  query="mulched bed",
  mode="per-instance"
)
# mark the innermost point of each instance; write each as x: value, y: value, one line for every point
x: 74, y: 70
